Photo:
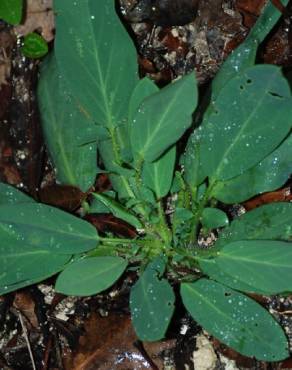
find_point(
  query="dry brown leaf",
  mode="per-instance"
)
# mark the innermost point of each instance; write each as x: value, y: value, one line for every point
x: 24, y: 303
x: 109, y: 343
x: 39, y: 16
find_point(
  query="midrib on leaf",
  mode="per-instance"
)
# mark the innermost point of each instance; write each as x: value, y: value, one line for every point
x: 254, y: 262
x: 102, y: 82
x: 159, y: 125
x: 104, y: 105
x: 208, y: 302
x: 240, y: 133
x: 47, y: 230
x: 99, y: 82
x: 100, y: 271
x: 30, y: 252
x: 108, y: 99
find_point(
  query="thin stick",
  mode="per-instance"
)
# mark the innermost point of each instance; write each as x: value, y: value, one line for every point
x: 27, y: 340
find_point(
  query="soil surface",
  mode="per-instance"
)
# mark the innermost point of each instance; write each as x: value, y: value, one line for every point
x: 42, y: 330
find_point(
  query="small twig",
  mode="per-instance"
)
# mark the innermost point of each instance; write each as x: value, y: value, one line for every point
x: 47, y: 354
x: 139, y: 345
x: 27, y: 340
x: 286, y: 312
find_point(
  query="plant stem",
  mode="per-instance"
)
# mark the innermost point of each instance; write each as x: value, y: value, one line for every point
x: 199, y: 211
x: 120, y: 241
x: 116, y: 149
x: 164, y: 230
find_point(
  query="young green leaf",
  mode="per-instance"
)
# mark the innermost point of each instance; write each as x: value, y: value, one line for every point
x: 245, y: 54
x: 144, y: 88
x: 259, y: 106
x: 213, y: 217
x: 11, y: 195
x: 181, y: 224
x: 97, y: 58
x: 24, y: 264
x: 152, y: 303
x: 235, y: 320
x: 90, y: 275
x: 11, y: 11
x: 269, y: 174
x: 40, y: 226
x: 34, y: 46
x: 162, y: 118
x: 142, y: 193
x: 96, y: 206
x: 158, y: 174
x: 118, y: 210
x: 194, y: 174
x: 263, y: 264
x: 119, y: 176
x: 69, y: 135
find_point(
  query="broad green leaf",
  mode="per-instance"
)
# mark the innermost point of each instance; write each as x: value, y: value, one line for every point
x: 69, y: 135
x: 236, y: 320
x: 11, y: 195
x: 245, y: 54
x: 268, y: 175
x: 263, y: 264
x: 162, y: 118
x: 152, y: 303
x: 90, y: 275
x: 34, y: 46
x: 251, y: 116
x: 213, y: 217
x: 41, y: 226
x: 211, y: 268
x: 271, y: 221
x: 11, y: 11
x: 158, y: 175
x: 97, y: 57
x: 23, y: 264
x: 118, y: 210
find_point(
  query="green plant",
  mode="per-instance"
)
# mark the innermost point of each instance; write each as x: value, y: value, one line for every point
x: 34, y: 45
x: 11, y: 11
x: 92, y: 101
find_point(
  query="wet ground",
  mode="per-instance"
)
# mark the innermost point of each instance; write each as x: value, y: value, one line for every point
x: 44, y: 330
